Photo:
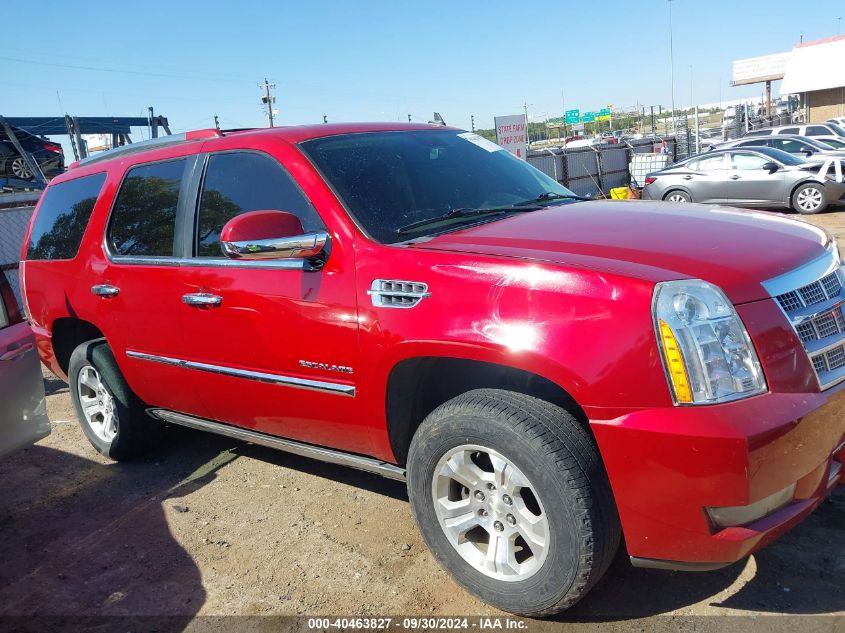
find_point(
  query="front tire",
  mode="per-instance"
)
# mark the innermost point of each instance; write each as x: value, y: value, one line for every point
x: 510, y: 495
x: 111, y: 416
x: 809, y: 198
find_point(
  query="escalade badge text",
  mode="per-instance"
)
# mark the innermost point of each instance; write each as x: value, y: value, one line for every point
x: 325, y: 366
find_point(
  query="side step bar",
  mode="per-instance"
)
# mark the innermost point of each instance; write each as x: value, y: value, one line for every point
x: 329, y: 455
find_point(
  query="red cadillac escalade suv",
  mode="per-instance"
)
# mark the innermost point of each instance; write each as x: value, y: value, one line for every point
x: 548, y: 374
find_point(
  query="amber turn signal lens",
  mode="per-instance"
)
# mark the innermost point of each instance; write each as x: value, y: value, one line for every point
x: 675, y: 363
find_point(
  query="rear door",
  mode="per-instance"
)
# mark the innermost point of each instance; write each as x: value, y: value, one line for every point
x: 23, y: 414
x: 750, y: 183
x: 138, y: 288
x: 706, y: 179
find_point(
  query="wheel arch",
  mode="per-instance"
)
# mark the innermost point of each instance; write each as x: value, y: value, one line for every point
x: 418, y: 385
x: 674, y: 188
x: 801, y: 183
x: 67, y: 333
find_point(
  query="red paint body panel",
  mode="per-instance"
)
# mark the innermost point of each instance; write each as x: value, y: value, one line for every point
x: 564, y: 293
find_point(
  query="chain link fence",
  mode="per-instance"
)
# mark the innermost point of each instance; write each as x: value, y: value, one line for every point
x: 13, y: 223
x: 594, y: 171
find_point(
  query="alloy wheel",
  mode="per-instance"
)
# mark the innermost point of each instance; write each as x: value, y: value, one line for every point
x: 809, y: 199
x: 20, y: 169
x: 490, y: 513
x: 677, y: 197
x: 97, y: 404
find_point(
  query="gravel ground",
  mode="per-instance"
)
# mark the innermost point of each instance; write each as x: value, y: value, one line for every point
x: 208, y: 526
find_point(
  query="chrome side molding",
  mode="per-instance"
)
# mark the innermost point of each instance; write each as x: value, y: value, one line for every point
x: 331, y: 456
x: 276, y: 379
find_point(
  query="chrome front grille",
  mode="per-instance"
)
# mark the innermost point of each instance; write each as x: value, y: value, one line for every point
x: 812, y: 298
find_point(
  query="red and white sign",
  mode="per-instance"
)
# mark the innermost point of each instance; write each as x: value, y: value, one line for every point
x: 510, y: 134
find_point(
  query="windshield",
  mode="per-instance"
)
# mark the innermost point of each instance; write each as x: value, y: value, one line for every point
x: 392, y: 182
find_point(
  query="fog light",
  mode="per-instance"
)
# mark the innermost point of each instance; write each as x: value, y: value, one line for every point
x: 730, y: 516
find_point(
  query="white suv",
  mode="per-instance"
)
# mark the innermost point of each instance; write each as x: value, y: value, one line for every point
x: 826, y: 131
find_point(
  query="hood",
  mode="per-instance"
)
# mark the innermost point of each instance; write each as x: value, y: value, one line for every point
x: 735, y: 249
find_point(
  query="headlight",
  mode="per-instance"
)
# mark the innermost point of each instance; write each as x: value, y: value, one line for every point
x: 706, y: 350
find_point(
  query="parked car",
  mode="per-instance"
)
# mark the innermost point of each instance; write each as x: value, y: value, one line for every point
x: 803, y: 146
x: 49, y: 156
x: 23, y: 412
x: 751, y: 177
x: 820, y: 131
x: 840, y: 121
x: 545, y: 373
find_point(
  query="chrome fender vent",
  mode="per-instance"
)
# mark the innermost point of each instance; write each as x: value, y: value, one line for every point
x: 386, y: 293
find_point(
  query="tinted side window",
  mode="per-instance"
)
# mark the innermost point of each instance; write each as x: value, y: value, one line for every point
x: 747, y: 161
x: 63, y: 217
x: 143, y: 220
x: 789, y: 130
x: 709, y: 163
x: 239, y: 182
x: 817, y: 130
x: 4, y: 316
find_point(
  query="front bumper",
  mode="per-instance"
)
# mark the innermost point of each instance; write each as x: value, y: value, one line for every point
x: 667, y: 465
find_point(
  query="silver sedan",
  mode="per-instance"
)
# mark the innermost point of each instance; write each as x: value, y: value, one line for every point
x: 23, y: 414
x: 750, y: 177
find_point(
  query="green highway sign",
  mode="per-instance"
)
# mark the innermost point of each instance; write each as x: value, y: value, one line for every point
x: 573, y: 116
x: 558, y: 120
x: 603, y: 114
x: 588, y: 117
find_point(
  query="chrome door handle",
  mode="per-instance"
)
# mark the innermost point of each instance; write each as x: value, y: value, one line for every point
x: 202, y: 300
x: 105, y: 291
x: 735, y: 177
x: 17, y: 352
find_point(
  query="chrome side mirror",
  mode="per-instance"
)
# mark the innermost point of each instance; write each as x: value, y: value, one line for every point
x: 263, y: 235
x: 305, y: 246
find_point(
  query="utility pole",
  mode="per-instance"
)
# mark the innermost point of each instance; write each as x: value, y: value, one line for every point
x: 267, y: 99
x: 472, y: 121
x: 671, y: 65
x: 325, y: 119
x: 526, y: 105
x: 409, y: 118
x: 216, y: 123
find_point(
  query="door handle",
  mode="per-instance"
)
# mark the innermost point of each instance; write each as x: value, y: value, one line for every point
x: 16, y: 352
x: 202, y: 300
x: 105, y: 291
x: 735, y: 177
x: 687, y: 177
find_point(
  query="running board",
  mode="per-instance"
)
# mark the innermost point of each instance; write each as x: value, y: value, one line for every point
x: 331, y: 456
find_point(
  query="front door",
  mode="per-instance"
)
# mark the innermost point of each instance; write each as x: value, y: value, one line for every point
x: 23, y: 414
x: 750, y: 182
x: 276, y: 350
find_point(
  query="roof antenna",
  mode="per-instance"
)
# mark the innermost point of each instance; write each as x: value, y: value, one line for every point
x: 438, y: 120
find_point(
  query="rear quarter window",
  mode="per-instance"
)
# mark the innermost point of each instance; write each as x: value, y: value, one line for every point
x: 63, y: 217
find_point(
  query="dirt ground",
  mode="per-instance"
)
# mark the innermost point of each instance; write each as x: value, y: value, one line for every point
x: 208, y: 526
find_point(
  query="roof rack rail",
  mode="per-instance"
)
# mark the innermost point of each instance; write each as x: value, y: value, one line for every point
x: 162, y: 141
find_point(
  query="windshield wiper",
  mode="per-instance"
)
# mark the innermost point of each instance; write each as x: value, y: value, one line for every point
x: 550, y: 195
x: 465, y: 212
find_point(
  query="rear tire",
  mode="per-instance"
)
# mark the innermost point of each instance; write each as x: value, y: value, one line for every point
x: 111, y: 416
x: 510, y: 494
x: 809, y: 198
x: 677, y: 196
x: 20, y: 169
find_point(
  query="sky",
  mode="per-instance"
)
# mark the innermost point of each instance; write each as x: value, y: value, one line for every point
x: 375, y: 60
